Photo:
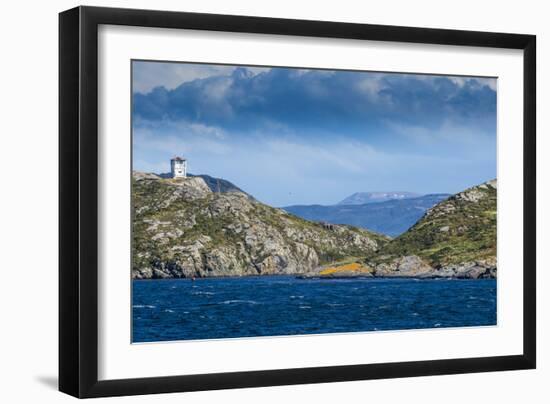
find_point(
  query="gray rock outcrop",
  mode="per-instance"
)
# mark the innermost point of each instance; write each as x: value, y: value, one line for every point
x: 183, y: 229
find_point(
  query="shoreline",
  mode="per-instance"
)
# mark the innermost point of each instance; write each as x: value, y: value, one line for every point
x: 305, y: 278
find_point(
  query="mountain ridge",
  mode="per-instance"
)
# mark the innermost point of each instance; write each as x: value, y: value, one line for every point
x: 391, y: 217
x: 361, y: 198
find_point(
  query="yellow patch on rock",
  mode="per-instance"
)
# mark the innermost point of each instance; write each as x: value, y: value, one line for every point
x: 353, y: 267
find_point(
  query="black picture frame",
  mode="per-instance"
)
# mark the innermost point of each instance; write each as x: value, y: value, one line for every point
x: 78, y: 201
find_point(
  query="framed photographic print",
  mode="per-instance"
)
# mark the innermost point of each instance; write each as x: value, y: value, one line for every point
x: 251, y: 201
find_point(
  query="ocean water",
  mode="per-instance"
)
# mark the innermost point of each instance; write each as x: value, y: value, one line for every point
x: 182, y: 309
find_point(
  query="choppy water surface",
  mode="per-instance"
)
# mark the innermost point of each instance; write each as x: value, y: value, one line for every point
x: 181, y: 309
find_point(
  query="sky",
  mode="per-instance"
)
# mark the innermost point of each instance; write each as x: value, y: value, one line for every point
x: 307, y: 136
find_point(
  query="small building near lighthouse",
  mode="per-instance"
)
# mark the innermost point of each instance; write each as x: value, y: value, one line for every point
x: 178, y: 167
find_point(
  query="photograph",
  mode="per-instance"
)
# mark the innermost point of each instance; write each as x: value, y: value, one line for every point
x: 276, y: 201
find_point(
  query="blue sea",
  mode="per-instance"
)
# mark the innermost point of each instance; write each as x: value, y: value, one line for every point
x: 182, y: 309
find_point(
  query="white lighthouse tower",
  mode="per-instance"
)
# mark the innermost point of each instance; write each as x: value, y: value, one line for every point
x: 178, y: 167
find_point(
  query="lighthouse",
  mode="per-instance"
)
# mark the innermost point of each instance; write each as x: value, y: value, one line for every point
x: 178, y: 167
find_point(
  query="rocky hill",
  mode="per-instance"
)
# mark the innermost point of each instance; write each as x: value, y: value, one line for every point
x: 457, y: 238
x: 454, y: 239
x: 390, y: 217
x: 182, y: 228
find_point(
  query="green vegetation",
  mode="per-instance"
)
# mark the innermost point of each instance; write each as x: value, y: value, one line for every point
x: 459, y: 229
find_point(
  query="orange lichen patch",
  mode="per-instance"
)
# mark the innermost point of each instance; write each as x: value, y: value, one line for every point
x: 353, y: 267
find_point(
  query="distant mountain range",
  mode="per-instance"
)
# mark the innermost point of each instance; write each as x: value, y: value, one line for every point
x: 360, y: 198
x: 391, y: 217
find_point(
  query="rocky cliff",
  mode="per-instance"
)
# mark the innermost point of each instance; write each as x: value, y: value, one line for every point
x: 182, y: 228
x: 455, y: 238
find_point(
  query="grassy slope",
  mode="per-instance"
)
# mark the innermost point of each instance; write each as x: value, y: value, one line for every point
x: 456, y: 230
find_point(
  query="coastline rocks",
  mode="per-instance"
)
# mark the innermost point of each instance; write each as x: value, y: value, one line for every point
x: 470, y: 270
x: 350, y: 270
x: 414, y: 267
x: 408, y: 266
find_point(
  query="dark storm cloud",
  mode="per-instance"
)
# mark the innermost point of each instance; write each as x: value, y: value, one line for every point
x: 317, y: 100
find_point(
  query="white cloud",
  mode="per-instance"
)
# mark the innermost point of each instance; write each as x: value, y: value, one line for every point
x: 155, y: 143
x: 483, y: 81
x: 283, y: 170
x: 148, y: 75
x: 217, y: 90
x: 372, y: 85
x: 460, y: 81
x: 448, y: 133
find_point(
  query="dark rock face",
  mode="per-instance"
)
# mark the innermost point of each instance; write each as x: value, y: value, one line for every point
x: 215, y: 184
